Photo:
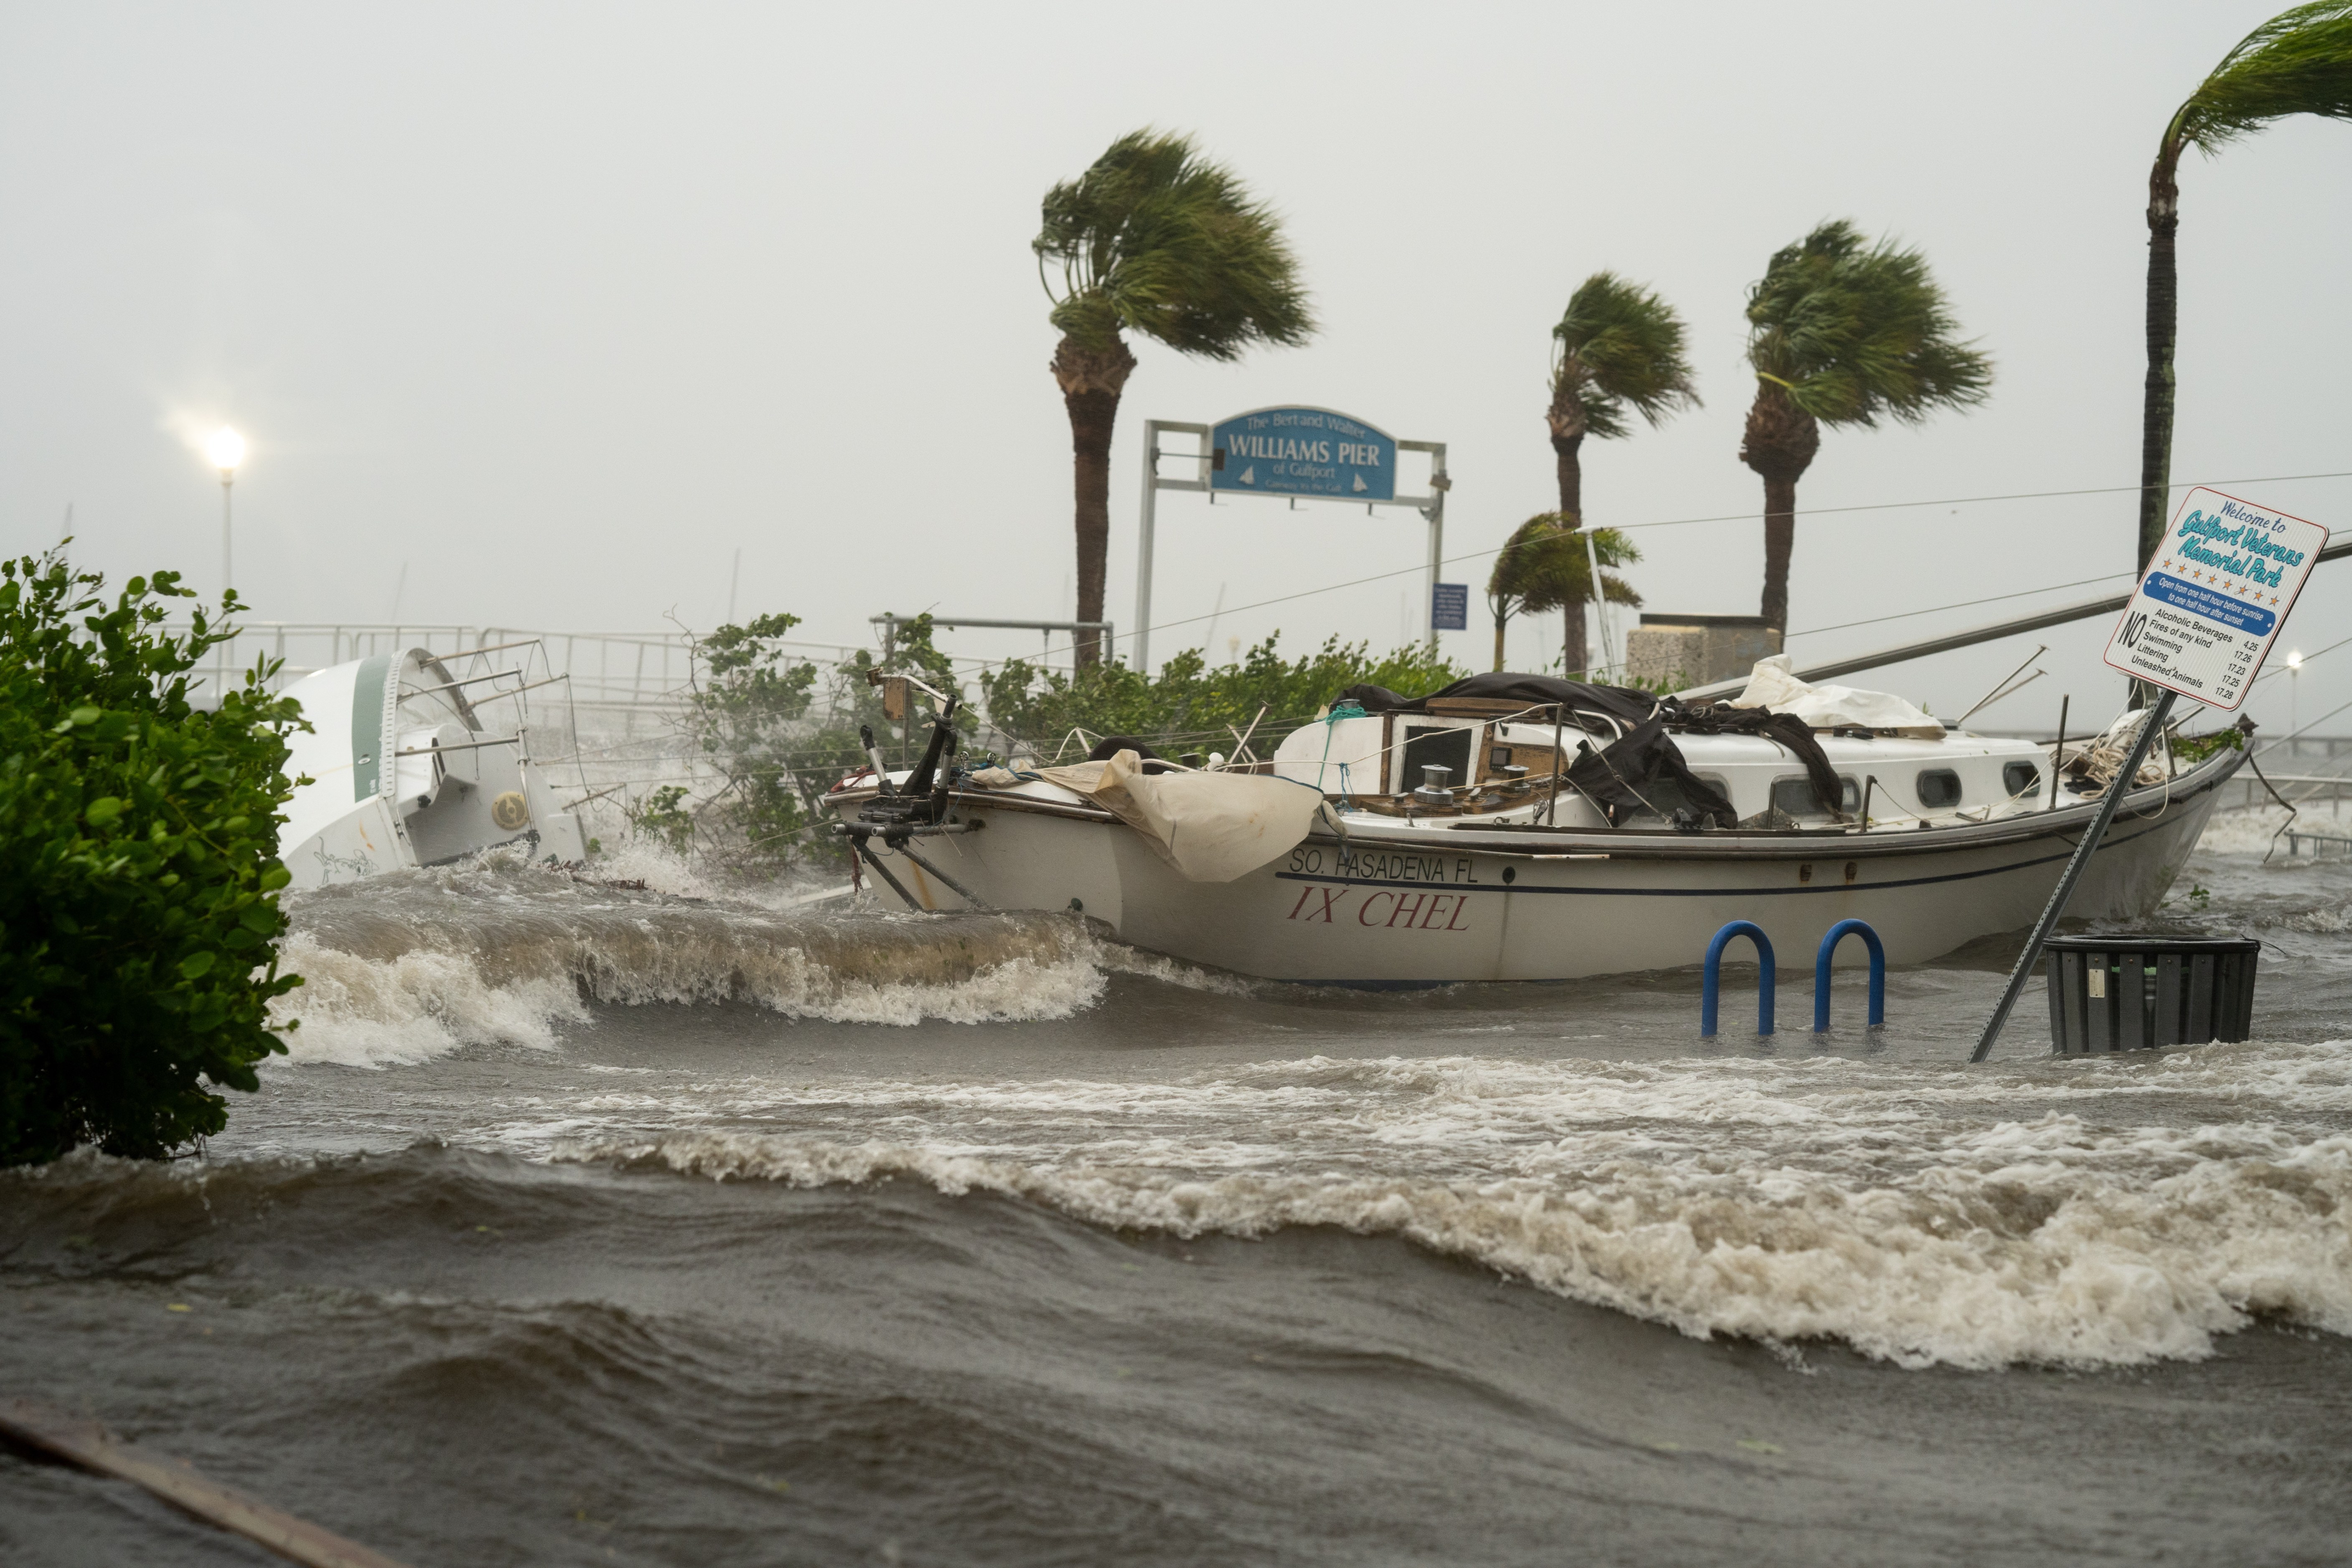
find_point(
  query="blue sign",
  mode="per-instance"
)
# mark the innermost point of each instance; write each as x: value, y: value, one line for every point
x: 2167, y: 589
x: 1449, y: 607
x: 1302, y: 452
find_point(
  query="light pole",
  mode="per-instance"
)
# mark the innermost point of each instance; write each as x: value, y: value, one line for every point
x: 2294, y: 674
x: 227, y: 450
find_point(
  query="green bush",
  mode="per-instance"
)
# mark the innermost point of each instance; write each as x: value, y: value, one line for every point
x: 139, y: 870
x: 1189, y: 705
x: 2190, y: 750
x: 778, y: 729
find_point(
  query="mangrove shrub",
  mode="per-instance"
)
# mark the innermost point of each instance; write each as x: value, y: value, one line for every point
x: 139, y: 873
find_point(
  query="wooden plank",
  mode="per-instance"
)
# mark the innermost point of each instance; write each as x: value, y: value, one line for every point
x: 2199, y: 1027
x: 1483, y: 708
x: 2078, y: 1022
x: 82, y: 1442
x: 2130, y: 986
x: 2099, y: 981
x: 2167, y: 998
x: 2056, y: 987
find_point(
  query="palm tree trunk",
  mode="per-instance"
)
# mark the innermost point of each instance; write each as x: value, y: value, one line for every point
x: 1780, y: 544
x: 1500, y: 622
x: 1567, y: 417
x: 2163, y: 330
x: 1782, y: 441
x: 1570, y: 465
x: 1091, y: 380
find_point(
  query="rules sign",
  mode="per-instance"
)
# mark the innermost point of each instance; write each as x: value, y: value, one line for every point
x: 2214, y: 598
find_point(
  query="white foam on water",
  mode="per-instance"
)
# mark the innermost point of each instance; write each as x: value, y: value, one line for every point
x: 658, y: 867
x: 1118, y: 959
x: 407, y: 968
x: 2245, y: 832
x: 1919, y: 1214
x: 360, y: 1012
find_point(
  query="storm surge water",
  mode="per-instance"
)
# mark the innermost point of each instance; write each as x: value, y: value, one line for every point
x: 664, y: 1228
x: 409, y: 966
x: 1917, y: 1214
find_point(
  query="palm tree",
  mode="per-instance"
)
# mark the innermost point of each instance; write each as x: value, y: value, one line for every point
x: 2298, y: 62
x: 1841, y: 331
x: 1546, y: 566
x: 1620, y: 347
x: 1153, y: 239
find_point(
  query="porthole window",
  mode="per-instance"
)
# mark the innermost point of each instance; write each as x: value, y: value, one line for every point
x: 1669, y: 797
x: 1795, y: 796
x: 1939, y: 788
x: 2021, y: 778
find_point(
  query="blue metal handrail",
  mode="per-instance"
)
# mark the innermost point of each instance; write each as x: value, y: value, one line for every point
x: 1712, y: 979
x: 1822, y: 973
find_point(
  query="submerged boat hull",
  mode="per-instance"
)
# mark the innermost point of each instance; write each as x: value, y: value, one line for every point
x: 1420, y: 908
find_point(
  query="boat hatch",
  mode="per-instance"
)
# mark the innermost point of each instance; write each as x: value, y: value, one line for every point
x: 1449, y: 746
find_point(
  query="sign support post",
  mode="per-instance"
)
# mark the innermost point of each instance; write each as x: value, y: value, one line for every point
x: 2200, y: 625
x: 1153, y: 485
x: 2073, y: 873
x: 1432, y: 507
x: 1296, y: 453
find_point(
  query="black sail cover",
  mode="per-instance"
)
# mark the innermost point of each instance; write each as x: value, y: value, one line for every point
x: 1626, y: 705
x: 1623, y: 775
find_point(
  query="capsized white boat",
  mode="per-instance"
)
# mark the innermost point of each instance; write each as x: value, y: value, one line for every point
x: 402, y: 772
x: 1515, y: 828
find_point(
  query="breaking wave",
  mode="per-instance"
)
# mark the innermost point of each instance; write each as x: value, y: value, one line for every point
x: 407, y: 967
x: 1920, y: 1215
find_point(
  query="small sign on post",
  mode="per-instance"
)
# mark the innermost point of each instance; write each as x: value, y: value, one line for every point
x: 2199, y: 625
x: 2214, y: 598
x: 1449, y: 607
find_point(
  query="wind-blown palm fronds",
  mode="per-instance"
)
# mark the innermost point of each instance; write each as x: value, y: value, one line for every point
x: 1841, y: 331
x: 1544, y: 565
x: 1619, y: 351
x: 1152, y: 239
x: 2298, y: 62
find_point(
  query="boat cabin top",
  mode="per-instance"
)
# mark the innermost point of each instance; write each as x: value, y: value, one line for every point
x: 1501, y: 764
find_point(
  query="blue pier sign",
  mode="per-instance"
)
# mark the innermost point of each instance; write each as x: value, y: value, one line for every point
x: 1449, y: 607
x: 1302, y: 452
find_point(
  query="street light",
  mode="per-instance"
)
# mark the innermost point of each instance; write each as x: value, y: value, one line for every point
x: 227, y: 450
x: 2294, y: 674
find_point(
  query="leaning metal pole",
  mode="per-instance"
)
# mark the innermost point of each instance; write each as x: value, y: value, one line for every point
x: 2122, y: 782
x: 228, y: 585
x: 1145, y: 518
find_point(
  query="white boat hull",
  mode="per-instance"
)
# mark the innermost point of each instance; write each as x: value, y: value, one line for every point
x: 1402, y: 911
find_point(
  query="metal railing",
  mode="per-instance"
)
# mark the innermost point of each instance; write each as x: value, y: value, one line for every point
x: 607, y: 669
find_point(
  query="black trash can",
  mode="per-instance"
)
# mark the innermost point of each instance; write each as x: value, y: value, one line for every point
x: 2129, y: 993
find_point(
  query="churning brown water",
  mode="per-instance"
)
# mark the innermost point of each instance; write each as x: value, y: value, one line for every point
x: 594, y: 1225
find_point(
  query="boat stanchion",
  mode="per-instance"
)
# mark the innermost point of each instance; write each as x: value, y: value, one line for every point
x: 1838, y: 933
x: 1711, y: 978
x: 857, y: 841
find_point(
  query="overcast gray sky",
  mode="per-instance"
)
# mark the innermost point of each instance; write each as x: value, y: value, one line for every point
x: 561, y: 305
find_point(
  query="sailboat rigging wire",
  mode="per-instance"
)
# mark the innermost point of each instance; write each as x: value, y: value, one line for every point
x: 2002, y: 688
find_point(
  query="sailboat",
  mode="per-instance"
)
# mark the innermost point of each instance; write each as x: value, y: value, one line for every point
x: 1515, y: 827
x: 402, y: 767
